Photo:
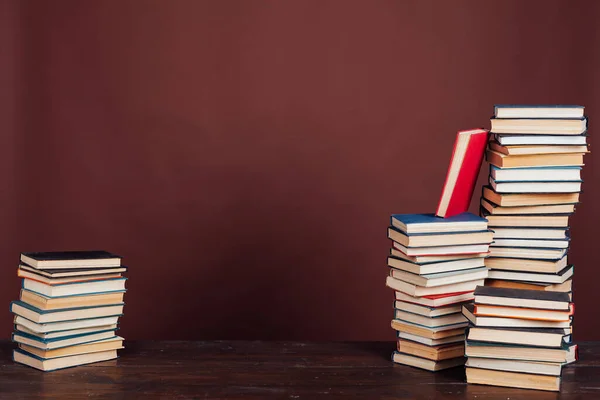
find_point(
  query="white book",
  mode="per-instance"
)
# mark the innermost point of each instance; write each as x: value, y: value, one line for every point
x: 540, y: 174
x: 538, y: 111
x: 525, y: 252
x: 52, y: 364
x: 71, y: 289
x: 433, y: 268
x: 542, y: 243
x: 66, y: 333
x: 535, y: 187
x: 528, y: 367
x: 67, y: 325
x: 442, y: 278
x: 34, y: 341
x: 530, y: 140
x: 431, y: 342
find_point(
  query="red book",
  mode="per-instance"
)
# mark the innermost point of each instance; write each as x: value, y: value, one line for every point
x: 467, y: 156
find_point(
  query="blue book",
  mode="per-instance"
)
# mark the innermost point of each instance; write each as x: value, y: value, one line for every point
x: 59, y: 343
x: 430, y: 223
x: 38, y: 316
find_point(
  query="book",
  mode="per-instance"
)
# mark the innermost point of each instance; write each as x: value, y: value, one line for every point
x: 560, y: 277
x: 439, y: 300
x: 468, y: 311
x: 514, y: 221
x: 528, y: 199
x: 429, y: 312
x: 539, y: 149
x: 529, y: 367
x: 441, y: 278
x: 486, y: 310
x: 432, y: 342
x: 537, y: 126
x: 456, y: 319
x: 47, y: 316
x: 65, y: 325
x: 394, y: 252
x: 71, y: 289
x: 439, y: 240
x: 499, y: 296
x: 538, y: 337
x: 415, y: 290
x: 52, y: 364
x: 72, y: 279
x: 50, y: 344
x: 494, y: 209
x: 65, y: 333
x: 428, y: 332
x: 423, y: 363
x: 540, y: 243
x: 564, y: 287
x: 435, y: 353
x: 53, y: 303
x: 537, y: 174
x: 112, y: 343
x: 531, y: 252
x: 527, y: 265
x: 73, y: 272
x: 538, y: 111
x: 534, y: 160
x: 512, y: 379
x: 536, y: 140
x: 444, y: 250
x: 430, y: 223
x: 436, y: 267
x: 532, y: 232
x: 535, y: 187
x: 516, y: 352
x: 465, y: 163
x: 70, y: 259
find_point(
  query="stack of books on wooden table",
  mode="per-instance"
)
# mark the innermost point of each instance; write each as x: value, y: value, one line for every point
x: 69, y: 308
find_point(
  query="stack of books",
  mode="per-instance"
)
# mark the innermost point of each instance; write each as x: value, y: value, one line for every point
x: 535, y: 155
x: 435, y: 265
x: 69, y: 308
x: 518, y: 337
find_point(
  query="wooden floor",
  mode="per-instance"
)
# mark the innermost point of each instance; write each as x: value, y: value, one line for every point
x: 260, y: 370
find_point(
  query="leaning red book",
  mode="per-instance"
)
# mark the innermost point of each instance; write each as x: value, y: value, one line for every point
x: 465, y: 164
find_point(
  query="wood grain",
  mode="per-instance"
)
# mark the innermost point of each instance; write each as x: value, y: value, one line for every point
x: 280, y: 370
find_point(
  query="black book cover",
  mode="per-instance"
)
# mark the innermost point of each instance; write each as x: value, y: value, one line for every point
x: 526, y: 294
x: 70, y: 255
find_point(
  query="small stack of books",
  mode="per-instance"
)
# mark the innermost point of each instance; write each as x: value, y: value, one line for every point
x: 69, y: 308
x: 518, y: 338
x: 435, y: 265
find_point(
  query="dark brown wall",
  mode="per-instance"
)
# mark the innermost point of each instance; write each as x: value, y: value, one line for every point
x: 244, y: 157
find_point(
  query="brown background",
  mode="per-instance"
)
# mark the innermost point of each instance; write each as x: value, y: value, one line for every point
x: 244, y: 157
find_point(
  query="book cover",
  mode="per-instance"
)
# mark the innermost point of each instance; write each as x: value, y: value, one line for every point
x: 465, y: 163
x: 522, y: 294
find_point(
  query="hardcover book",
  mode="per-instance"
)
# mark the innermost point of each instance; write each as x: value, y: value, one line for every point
x: 538, y: 111
x: 462, y: 174
x: 71, y: 259
x: 430, y: 223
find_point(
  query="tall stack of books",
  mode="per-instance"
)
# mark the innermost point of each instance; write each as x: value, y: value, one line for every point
x: 518, y: 337
x: 535, y: 155
x: 435, y: 265
x: 69, y: 308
